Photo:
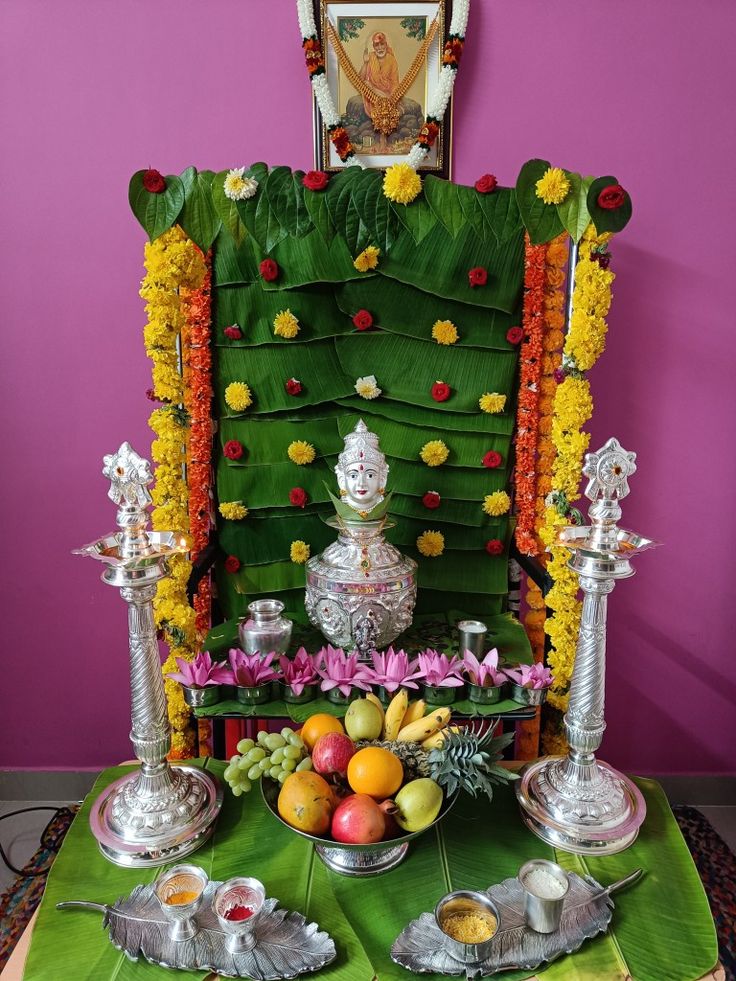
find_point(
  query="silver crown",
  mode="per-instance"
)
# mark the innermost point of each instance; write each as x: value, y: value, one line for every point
x: 361, y: 446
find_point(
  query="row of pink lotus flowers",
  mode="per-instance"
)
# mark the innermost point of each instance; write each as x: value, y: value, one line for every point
x: 334, y: 668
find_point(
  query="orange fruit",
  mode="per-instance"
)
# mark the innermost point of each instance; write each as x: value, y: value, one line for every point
x: 306, y: 802
x: 318, y: 725
x: 375, y: 771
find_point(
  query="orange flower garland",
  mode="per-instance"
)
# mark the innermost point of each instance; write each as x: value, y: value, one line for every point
x: 527, y: 410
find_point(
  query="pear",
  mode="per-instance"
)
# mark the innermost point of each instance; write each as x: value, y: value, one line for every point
x: 419, y: 803
x: 363, y: 720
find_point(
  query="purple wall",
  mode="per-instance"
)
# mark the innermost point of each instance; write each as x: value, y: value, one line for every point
x: 94, y: 91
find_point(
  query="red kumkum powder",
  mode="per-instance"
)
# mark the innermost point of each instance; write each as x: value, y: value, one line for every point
x: 238, y: 912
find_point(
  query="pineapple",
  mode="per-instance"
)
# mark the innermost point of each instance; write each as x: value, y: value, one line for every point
x: 461, y: 763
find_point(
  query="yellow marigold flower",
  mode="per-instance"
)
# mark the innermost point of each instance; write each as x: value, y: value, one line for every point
x: 285, y: 324
x: 233, y: 510
x: 301, y: 452
x: 431, y: 543
x: 492, y: 402
x: 368, y: 259
x: 401, y: 183
x: 434, y: 453
x: 238, y: 396
x: 496, y: 503
x: 444, y: 332
x: 553, y: 186
x: 299, y: 552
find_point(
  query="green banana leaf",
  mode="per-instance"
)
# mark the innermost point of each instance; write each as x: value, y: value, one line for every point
x: 311, y: 260
x: 401, y: 309
x: 453, y: 512
x: 259, y: 542
x: 661, y: 927
x: 463, y: 538
x: 501, y: 423
x: 235, y: 261
x: 267, y: 440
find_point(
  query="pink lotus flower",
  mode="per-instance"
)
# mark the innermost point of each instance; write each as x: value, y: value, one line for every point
x: 485, y: 672
x: 340, y: 670
x: 299, y: 672
x: 201, y: 672
x: 438, y: 670
x: 394, y: 670
x: 251, y: 670
x: 531, y: 676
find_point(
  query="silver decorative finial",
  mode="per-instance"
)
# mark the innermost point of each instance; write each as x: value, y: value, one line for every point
x: 129, y: 475
x: 609, y: 470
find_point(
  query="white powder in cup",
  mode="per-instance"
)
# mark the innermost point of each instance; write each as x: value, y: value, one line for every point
x: 543, y: 884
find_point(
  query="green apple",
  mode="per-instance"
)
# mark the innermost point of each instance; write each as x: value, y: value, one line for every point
x: 363, y: 720
x: 419, y: 803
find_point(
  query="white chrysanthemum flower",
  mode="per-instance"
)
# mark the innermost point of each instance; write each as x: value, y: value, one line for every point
x: 238, y: 187
x: 367, y: 387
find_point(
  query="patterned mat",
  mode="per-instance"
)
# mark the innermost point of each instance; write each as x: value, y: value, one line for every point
x: 19, y: 902
x: 716, y: 865
x: 715, y: 862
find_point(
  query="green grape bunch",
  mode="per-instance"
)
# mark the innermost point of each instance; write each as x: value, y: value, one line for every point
x: 275, y: 755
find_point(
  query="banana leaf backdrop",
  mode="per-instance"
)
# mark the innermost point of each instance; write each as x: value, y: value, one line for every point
x: 426, y: 252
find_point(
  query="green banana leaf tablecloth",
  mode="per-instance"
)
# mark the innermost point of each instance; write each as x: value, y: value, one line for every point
x: 661, y: 930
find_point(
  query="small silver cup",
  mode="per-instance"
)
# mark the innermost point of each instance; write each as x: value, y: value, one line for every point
x: 472, y: 637
x: 241, y: 891
x: 177, y: 881
x: 542, y: 913
x: 462, y: 902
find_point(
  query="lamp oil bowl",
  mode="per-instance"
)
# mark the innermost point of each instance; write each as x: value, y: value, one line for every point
x: 361, y: 590
x: 180, y: 892
x: 469, y: 921
x: 237, y: 904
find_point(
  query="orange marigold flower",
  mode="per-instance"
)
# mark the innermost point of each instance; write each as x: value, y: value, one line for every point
x: 556, y: 253
x: 556, y: 319
x: 534, y: 278
x: 553, y: 340
x: 555, y: 277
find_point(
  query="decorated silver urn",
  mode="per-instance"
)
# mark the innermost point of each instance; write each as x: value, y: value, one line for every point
x: 361, y: 590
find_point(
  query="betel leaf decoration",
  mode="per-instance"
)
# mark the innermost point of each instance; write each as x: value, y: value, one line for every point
x: 198, y: 217
x: 156, y: 212
x: 442, y: 197
x: 608, y: 219
x: 541, y: 220
x: 226, y: 209
x: 343, y: 211
x: 375, y: 210
x: 256, y: 213
x: 573, y: 211
x: 418, y: 220
x: 285, y: 193
x: 500, y: 210
x: 316, y: 204
x: 348, y: 513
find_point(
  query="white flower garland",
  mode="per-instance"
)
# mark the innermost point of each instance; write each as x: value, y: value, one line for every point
x: 440, y: 100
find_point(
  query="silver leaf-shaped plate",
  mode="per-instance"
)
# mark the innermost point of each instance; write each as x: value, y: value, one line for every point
x: 286, y: 945
x: 587, y: 912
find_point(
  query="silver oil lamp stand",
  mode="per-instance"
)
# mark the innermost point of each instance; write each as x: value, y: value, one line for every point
x: 157, y: 813
x: 576, y: 802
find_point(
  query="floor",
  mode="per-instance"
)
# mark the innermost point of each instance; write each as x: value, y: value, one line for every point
x: 20, y: 835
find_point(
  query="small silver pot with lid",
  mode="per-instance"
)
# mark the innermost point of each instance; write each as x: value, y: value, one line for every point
x: 265, y: 630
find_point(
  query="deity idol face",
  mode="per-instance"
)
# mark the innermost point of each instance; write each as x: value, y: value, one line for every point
x: 361, y: 470
x: 379, y: 45
x: 363, y: 485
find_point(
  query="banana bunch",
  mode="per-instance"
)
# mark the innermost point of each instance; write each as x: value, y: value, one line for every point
x: 410, y: 722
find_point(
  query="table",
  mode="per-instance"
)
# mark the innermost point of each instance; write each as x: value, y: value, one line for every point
x: 661, y: 929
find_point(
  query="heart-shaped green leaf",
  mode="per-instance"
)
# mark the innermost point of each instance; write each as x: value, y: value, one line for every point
x: 343, y: 210
x: 418, y: 218
x: 248, y: 210
x: 443, y: 199
x: 375, y: 210
x: 316, y: 205
x: 226, y: 209
x: 607, y: 219
x: 199, y: 218
x: 156, y: 212
x: 540, y: 220
x: 573, y: 211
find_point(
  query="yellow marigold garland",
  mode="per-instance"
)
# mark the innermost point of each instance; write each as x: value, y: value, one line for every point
x: 176, y: 291
x: 572, y: 408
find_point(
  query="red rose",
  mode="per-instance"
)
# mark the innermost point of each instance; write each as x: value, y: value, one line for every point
x: 494, y: 546
x: 441, y: 391
x: 514, y: 335
x: 486, y: 184
x: 341, y: 142
x: 363, y: 319
x: 315, y: 180
x: 269, y: 270
x: 492, y: 459
x: 233, y: 450
x: 154, y: 182
x: 293, y: 386
x: 478, y: 276
x: 298, y: 497
x: 431, y: 500
x: 233, y: 332
x: 611, y: 197
x: 232, y: 563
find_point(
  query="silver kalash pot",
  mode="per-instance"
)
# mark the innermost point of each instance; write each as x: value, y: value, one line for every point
x: 361, y: 591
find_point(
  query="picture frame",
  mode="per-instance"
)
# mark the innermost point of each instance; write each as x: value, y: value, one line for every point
x: 382, y: 46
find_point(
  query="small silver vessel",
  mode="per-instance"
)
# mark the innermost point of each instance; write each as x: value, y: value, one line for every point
x: 266, y: 629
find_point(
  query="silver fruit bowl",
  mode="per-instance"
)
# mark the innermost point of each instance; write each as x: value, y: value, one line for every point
x: 354, y: 859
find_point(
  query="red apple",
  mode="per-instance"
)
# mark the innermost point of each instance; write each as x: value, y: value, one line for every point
x: 358, y: 820
x: 389, y: 808
x: 332, y: 753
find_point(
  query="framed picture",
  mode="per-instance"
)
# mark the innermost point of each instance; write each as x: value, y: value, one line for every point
x: 382, y: 64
